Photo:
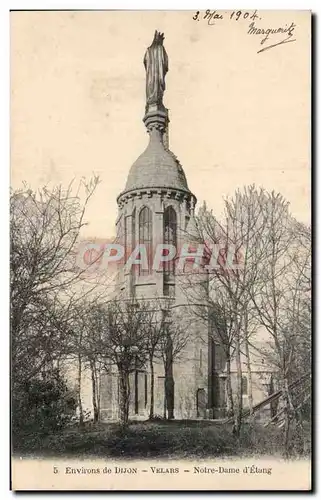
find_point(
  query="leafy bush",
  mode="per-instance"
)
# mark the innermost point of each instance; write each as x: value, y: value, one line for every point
x: 42, y: 406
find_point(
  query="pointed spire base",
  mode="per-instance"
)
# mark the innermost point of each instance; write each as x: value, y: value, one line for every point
x: 156, y: 116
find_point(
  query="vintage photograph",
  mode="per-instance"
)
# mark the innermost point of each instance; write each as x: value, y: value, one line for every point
x: 160, y: 250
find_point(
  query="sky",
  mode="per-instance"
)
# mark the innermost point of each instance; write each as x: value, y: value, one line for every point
x: 237, y: 117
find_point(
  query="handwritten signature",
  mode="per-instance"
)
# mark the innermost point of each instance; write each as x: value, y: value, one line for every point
x: 213, y: 16
x: 287, y: 30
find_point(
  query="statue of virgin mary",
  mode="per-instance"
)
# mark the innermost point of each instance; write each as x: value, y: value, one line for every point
x: 156, y: 65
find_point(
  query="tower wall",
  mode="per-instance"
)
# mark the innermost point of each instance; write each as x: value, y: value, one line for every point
x: 156, y: 181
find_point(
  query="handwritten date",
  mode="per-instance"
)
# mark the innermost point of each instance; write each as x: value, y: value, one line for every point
x: 212, y: 15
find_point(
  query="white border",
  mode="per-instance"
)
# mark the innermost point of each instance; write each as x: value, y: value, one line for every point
x: 5, y: 6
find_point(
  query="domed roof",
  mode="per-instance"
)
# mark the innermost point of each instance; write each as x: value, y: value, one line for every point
x: 156, y: 167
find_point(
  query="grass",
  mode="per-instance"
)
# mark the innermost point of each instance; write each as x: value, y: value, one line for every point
x: 166, y: 439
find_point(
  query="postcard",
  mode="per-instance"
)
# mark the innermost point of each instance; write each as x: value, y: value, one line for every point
x: 160, y: 212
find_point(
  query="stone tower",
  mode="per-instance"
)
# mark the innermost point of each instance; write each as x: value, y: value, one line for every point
x: 157, y: 207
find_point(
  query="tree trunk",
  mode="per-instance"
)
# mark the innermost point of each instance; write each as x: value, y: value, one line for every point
x: 98, y: 372
x: 124, y: 398
x: 94, y: 391
x: 286, y: 438
x: 249, y: 376
x: 288, y: 415
x: 169, y: 381
x: 169, y: 389
x: 274, y: 404
x: 239, y: 409
x: 291, y: 416
x: 152, y: 383
x: 230, y: 403
x: 81, y: 412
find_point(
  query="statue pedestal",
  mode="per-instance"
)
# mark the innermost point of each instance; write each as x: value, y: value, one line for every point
x: 156, y: 115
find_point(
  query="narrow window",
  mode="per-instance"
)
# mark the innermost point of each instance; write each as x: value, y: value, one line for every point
x: 129, y: 240
x: 146, y: 236
x: 170, y: 238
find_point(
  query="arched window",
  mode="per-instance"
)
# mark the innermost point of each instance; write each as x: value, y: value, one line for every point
x: 129, y: 240
x: 129, y: 243
x: 170, y: 238
x: 129, y: 236
x: 146, y: 236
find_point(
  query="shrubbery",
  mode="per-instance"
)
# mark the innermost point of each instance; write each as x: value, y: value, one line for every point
x: 42, y: 405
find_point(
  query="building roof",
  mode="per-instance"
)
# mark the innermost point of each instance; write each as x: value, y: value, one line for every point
x: 156, y: 167
x: 192, y: 231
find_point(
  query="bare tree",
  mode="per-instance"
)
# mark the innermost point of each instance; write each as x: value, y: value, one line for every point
x: 119, y: 340
x: 236, y: 266
x: 154, y: 334
x: 222, y: 331
x: 246, y: 337
x: 95, y: 370
x: 281, y: 291
x: 45, y: 228
x: 298, y: 310
x: 82, y: 349
x: 172, y: 344
x: 79, y: 356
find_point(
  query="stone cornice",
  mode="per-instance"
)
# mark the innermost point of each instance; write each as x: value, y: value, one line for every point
x: 164, y: 192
